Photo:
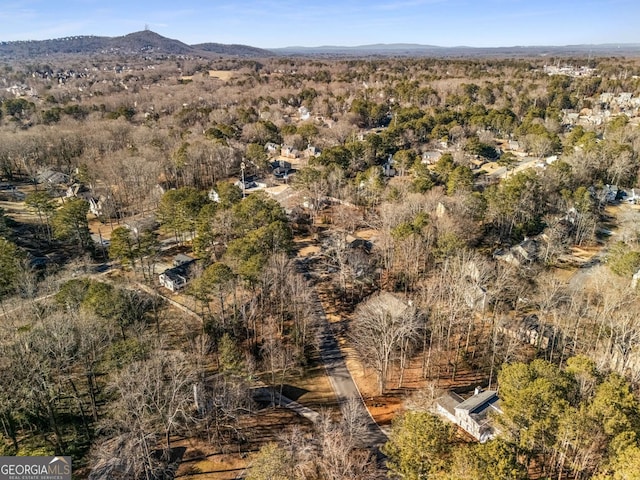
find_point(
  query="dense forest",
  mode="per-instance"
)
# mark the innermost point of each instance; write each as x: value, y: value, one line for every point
x: 449, y: 224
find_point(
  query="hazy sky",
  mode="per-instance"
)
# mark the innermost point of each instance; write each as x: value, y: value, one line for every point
x: 279, y: 23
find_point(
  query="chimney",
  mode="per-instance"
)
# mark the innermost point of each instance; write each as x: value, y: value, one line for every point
x: 477, y: 390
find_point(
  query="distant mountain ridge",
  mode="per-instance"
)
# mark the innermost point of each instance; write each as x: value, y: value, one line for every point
x: 141, y: 42
x: 411, y: 49
x: 148, y: 42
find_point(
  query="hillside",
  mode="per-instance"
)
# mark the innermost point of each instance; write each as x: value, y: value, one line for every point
x: 234, y: 49
x: 143, y: 42
x: 147, y: 42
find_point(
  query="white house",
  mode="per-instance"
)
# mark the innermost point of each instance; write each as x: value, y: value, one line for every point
x: 304, y: 112
x: 176, y: 278
x: 97, y: 205
x: 633, y: 196
x: 271, y: 147
x: 214, y: 196
x: 431, y: 156
x: 472, y: 414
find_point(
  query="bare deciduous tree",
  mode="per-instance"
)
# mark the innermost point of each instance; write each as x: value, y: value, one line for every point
x: 153, y: 396
x: 381, y: 325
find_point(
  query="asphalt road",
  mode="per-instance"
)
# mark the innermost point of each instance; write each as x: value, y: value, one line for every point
x: 626, y: 218
x: 527, y: 162
x: 340, y: 377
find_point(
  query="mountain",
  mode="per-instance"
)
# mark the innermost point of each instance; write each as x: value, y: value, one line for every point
x: 233, y: 49
x: 374, y: 49
x: 147, y: 42
x: 144, y: 42
x: 408, y: 49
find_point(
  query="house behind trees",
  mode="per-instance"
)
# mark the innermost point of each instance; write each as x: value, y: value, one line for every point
x: 472, y: 414
x: 177, y: 277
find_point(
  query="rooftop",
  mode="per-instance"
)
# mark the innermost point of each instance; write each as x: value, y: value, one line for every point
x: 449, y: 401
x: 478, y: 402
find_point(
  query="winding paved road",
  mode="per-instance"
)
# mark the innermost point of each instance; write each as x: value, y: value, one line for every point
x: 340, y: 377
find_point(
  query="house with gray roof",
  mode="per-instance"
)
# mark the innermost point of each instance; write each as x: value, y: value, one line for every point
x: 473, y: 415
x: 177, y: 277
x: 52, y: 177
x: 525, y: 253
x: 530, y: 330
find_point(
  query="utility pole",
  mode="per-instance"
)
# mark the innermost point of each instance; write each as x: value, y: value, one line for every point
x: 104, y: 250
x: 242, y: 167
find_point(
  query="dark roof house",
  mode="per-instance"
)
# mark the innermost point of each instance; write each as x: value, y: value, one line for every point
x: 387, y: 169
x: 176, y: 278
x: 181, y: 259
x: 281, y: 168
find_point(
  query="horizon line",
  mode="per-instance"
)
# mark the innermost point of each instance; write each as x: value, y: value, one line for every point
x: 343, y: 46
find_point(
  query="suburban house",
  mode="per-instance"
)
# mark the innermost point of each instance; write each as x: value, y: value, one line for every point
x: 513, y: 145
x: 470, y: 279
x: 529, y: 330
x: 246, y: 182
x: 52, y: 177
x: 141, y: 225
x: 524, y: 253
x: 271, y: 147
x: 430, y: 157
x: 472, y: 414
x: 387, y: 168
x: 570, y: 118
x: 607, y: 194
x: 250, y: 181
x: 311, y: 151
x: 178, y: 276
x: 101, y: 206
x: 78, y: 190
x: 280, y: 168
x: 633, y: 196
x: 304, y: 113
x: 475, y: 296
x: 213, y: 196
x: 288, y: 151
